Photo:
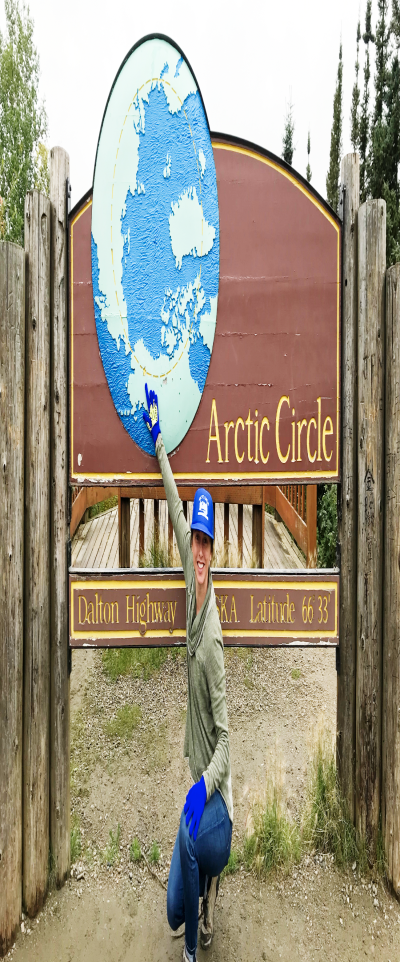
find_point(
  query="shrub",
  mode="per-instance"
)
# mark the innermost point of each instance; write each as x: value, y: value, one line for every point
x: 327, y: 526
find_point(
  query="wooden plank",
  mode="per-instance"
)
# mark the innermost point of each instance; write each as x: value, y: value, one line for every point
x: 371, y: 358
x: 170, y: 538
x: 141, y: 528
x: 257, y: 535
x: 220, y: 495
x: 292, y: 520
x: 240, y: 535
x: 60, y: 711
x: 311, y: 553
x: 86, y: 498
x: 124, y: 533
x: 391, y: 598
x: 226, y: 533
x: 37, y: 536
x: 156, y: 525
x: 12, y: 417
x: 347, y: 492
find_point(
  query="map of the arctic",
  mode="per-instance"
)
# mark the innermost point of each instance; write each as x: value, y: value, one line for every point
x: 155, y: 242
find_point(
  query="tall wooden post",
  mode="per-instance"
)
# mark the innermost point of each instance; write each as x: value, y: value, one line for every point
x: 156, y: 526
x: 12, y: 416
x: 258, y: 523
x: 124, y: 517
x: 240, y: 535
x: 37, y: 559
x: 170, y: 539
x: 391, y: 593
x: 59, y: 731
x: 141, y: 529
x: 371, y: 357
x: 226, y: 533
x: 311, y: 509
x: 347, y: 494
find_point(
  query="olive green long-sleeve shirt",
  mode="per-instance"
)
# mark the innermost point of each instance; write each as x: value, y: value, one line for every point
x: 206, y: 736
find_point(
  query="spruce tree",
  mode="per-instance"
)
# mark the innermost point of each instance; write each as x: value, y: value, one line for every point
x: 332, y: 179
x: 23, y: 122
x: 308, y: 168
x: 355, y: 101
x: 287, y: 143
x: 364, y: 127
x: 378, y: 179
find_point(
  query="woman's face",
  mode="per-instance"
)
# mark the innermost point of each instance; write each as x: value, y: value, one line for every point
x: 201, y: 551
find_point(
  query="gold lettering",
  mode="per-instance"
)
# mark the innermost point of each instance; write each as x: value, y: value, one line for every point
x: 310, y: 456
x: 263, y: 423
x: 90, y: 614
x: 256, y: 433
x: 217, y: 604
x: 142, y: 612
x: 158, y: 610
x: 227, y: 425
x: 214, y: 437
x: 130, y: 608
x: 251, y: 610
x: 291, y: 613
x: 114, y: 603
x: 108, y: 615
x: 82, y: 598
x: 233, y: 610
x: 325, y: 432
x: 167, y: 616
x: 172, y: 605
x: 239, y: 421
x: 249, y: 422
x: 319, y: 429
x: 259, y: 611
x: 293, y: 437
x: 300, y: 426
x: 223, y: 601
x: 283, y: 400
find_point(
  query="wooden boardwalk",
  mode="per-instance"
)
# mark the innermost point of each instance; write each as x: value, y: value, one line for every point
x: 95, y: 544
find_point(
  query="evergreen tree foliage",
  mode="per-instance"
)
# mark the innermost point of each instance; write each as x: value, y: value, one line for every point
x: 364, y: 127
x: 332, y: 179
x: 308, y: 168
x: 23, y: 121
x: 379, y: 131
x: 287, y: 143
x: 355, y: 100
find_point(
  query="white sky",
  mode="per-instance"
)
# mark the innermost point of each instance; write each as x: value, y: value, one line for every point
x: 250, y: 59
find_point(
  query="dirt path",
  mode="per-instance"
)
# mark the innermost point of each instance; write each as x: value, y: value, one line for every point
x: 115, y: 909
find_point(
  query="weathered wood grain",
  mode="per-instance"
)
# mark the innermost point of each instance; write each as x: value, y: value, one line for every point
x: 371, y: 359
x: 59, y: 740
x: 12, y: 415
x: 37, y: 557
x: 124, y: 516
x: 347, y: 494
x: 258, y: 535
x: 311, y: 512
x: 391, y: 594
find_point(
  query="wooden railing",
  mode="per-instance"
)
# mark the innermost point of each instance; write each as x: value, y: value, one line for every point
x: 295, y: 505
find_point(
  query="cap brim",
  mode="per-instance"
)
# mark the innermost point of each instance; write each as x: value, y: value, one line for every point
x: 199, y: 526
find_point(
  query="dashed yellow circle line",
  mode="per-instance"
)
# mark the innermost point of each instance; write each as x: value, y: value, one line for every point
x: 155, y: 80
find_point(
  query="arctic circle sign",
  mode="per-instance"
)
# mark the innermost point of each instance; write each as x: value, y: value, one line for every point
x: 209, y: 268
x: 155, y: 241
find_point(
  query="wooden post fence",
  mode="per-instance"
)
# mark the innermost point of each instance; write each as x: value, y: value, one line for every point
x: 12, y: 414
x: 391, y: 593
x: 37, y: 555
x: 371, y: 358
x: 347, y: 495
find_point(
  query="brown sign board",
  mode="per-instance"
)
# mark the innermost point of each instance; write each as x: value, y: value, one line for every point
x: 270, y: 409
x: 146, y: 608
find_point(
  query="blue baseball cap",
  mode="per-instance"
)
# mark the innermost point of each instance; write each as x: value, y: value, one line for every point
x: 203, y: 513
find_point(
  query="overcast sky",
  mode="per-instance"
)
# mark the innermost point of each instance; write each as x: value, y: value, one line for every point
x: 250, y: 59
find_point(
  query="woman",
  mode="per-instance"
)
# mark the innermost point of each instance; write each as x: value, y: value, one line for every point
x: 203, y: 841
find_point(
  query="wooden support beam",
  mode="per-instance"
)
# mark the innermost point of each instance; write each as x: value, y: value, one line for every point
x: 60, y: 841
x: 371, y: 398
x: 156, y: 525
x: 311, y: 526
x: 141, y: 529
x: 125, y: 533
x: 347, y: 492
x: 240, y: 535
x: 257, y: 535
x: 391, y: 595
x: 226, y: 534
x: 185, y: 509
x: 36, y: 784
x: 170, y: 539
x: 12, y: 418
x: 224, y: 493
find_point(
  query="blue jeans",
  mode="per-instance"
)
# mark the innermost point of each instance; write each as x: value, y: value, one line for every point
x: 192, y: 862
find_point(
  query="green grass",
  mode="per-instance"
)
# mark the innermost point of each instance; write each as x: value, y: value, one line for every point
x: 326, y: 823
x: 154, y: 853
x: 155, y: 557
x: 138, y: 662
x: 275, y: 841
x: 234, y: 862
x: 296, y: 674
x: 135, y: 852
x: 111, y: 851
x: 125, y: 722
x: 102, y: 506
x: 76, y: 838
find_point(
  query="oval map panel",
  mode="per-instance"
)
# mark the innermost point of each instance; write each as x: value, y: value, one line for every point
x: 155, y: 241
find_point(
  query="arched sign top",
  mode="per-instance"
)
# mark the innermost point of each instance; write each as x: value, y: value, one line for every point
x: 155, y: 241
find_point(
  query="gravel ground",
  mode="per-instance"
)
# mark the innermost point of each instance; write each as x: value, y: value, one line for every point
x: 113, y: 909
